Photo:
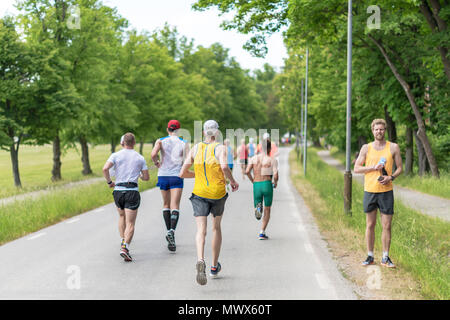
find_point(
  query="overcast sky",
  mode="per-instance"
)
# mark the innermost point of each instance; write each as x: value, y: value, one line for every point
x: 203, y: 27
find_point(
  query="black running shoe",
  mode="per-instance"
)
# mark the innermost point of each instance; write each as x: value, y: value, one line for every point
x: 170, y: 237
x: 214, y: 272
x: 368, y: 261
x: 125, y: 254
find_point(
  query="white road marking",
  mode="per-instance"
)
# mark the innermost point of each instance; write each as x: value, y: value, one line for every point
x: 322, y: 281
x: 73, y: 220
x: 99, y: 210
x: 301, y: 228
x: 37, y: 236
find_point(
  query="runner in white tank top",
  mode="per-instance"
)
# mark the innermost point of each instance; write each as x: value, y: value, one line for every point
x: 173, y: 150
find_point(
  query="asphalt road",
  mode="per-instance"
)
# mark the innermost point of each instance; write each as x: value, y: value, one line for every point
x: 79, y: 258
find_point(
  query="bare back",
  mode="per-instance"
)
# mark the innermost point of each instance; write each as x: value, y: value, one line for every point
x: 264, y: 167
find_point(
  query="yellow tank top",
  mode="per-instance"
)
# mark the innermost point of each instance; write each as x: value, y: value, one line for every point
x: 209, y: 178
x: 373, y: 156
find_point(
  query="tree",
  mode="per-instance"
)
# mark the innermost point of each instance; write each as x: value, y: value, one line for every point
x: 17, y: 82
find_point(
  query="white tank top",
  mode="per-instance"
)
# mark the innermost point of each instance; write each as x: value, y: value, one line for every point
x: 172, y: 149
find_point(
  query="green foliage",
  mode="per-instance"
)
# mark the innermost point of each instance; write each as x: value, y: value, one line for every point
x: 96, y: 81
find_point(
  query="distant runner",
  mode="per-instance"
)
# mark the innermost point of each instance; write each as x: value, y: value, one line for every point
x: 173, y: 149
x: 274, y: 148
x: 243, y: 156
x: 264, y: 169
x: 129, y: 166
x: 231, y: 154
x: 209, y: 194
x: 251, y: 147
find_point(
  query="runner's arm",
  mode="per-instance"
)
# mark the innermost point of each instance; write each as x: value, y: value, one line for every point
x: 144, y: 175
x: 223, y: 161
x: 108, y: 165
x: 395, y: 151
x: 359, y: 164
x: 185, y: 172
x: 155, y: 152
x: 275, y: 172
x: 398, y: 161
x: 248, y: 170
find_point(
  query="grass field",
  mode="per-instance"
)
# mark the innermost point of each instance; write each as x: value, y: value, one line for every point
x: 420, y: 244
x: 426, y: 184
x: 35, y: 166
x: 23, y: 217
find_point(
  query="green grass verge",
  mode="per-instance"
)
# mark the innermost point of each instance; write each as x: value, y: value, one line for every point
x: 26, y: 216
x: 35, y: 166
x: 426, y: 184
x: 420, y: 244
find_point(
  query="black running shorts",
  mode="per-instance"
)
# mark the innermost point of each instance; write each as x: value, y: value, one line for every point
x: 384, y: 201
x: 127, y: 199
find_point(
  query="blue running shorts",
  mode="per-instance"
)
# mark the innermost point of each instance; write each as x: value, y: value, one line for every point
x: 169, y: 182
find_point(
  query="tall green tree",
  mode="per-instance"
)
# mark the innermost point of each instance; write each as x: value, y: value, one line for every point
x: 18, y: 75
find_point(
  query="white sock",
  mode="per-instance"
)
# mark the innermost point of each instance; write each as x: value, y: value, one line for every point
x: 370, y: 253
x: 263, y: 232
x: 385, y: 254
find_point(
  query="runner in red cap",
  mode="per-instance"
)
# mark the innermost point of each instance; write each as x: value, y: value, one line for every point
x: 173, y: 150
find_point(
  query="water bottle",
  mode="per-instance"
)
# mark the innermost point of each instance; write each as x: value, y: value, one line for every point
x: 383, y: 170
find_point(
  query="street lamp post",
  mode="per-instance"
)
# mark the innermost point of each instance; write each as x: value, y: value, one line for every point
x: 306, y: 115
x: 301, y: 113
x: 348, y: 172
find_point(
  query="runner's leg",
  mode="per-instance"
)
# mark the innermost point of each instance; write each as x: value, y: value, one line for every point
x: 121, y: 223
x: 200, y: 236
x: 216, y: 239
x: 386, y: 221
x: 175, y: 196
x: 266, y: 218
x: 130, y: 219
x: 371, y: 221
x: 166, y: 207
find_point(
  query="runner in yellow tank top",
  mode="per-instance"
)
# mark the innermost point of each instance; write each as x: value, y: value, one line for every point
x: 378, y: 190
x: 209, y: 178
x: 209, y: 194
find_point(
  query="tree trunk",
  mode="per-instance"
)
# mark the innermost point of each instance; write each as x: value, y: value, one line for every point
x: 85, y: 157
x: 392, y: 131
x: 421, y: 134
x: 113, y: 146
x: 141, y: 147
x: 422, y: 159
x: 14, y: 151
x: 361, y: 141
x: 316, y: 142
x: 56, y: 171
x: 409, y: 154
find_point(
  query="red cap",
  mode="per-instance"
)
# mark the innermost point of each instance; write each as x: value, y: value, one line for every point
x: 173, y: 124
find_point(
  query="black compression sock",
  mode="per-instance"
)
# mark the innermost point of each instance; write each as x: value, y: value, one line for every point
x: 166, y: 216
x: 174, y: 219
